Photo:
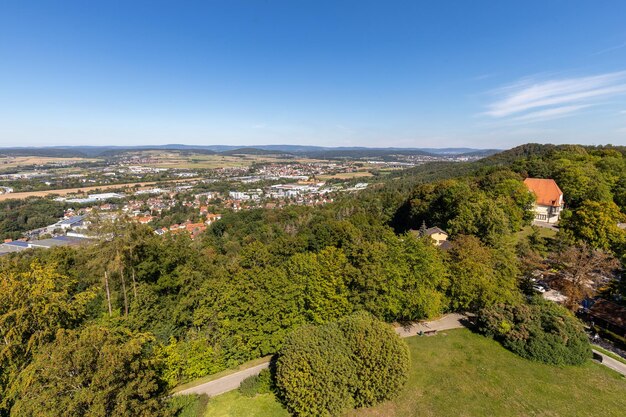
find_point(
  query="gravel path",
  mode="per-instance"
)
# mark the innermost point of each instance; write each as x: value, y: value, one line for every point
x: 227, y: 383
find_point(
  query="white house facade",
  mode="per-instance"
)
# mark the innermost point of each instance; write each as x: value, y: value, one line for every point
x: 548, y: 199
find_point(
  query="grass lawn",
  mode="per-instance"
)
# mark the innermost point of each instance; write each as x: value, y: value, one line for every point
x: 233, y: 404
x: 458, y: 373
x: 544, y: 232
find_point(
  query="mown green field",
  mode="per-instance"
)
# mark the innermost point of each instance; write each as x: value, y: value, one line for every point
x: 233, y: 404
x: 543, y: 232
x: 458, y: 373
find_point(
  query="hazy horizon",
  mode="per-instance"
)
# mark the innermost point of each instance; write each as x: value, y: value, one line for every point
x: 244, y: 73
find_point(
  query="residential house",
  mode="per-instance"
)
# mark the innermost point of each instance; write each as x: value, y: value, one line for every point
x: 439, y: 236
x: 436, y: 234
x: 548, y: 199
x: 145, y: 219
x: 212, y: 218
x: 194, y: 229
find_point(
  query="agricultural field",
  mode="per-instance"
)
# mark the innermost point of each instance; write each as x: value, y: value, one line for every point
x: 80, y: 190
x: 20, y: 161
x: 189, y: 160
x: 459, y: 373
x: 346, y: 175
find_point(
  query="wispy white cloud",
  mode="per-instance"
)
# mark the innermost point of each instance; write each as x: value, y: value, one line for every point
x: 610, y: 49
x: 534, y: 100
x: 483, y: 76
x: 345, y: 129
x: 553, y: 113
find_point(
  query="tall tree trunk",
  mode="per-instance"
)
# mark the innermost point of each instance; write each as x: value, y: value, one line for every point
x: 134, y: 283
x: 106, y: 286
x: 124, y: 291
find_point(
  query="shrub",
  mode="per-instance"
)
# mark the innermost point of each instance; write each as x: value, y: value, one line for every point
x: 326, y: 370
x: 256, y: 384
x: 187, y: 405
x: 315, y: 372
x: 380, y: 358
x: 540, y: 330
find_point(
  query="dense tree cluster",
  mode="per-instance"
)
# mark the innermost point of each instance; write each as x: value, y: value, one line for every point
x: 18, y: 216
x: 355, y: 362
x: 488, y: 207
x: 593, y: 181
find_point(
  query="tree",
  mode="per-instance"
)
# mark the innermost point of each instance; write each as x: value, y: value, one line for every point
x: 579, y: 179
x: 34, y: 305
x: 323, y: 277
x: 400, y: 278
x: 513, y: 197
x: 94, y: 372
x: 423, y: 278
x: 581, y: 271
x: 480, y: 276
x: 325, y: 370
x: 595, y: 223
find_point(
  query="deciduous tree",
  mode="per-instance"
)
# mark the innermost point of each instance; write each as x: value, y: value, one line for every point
x: 94, y: 372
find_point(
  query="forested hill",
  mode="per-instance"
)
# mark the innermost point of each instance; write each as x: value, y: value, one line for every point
x: 308, y: 151
x: 173, y: 309
x: 584, y: 173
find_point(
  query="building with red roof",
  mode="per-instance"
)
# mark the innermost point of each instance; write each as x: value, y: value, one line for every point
x: 548, y: 199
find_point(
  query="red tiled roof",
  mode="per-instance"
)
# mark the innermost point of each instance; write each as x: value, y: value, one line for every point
x: 547, y: 191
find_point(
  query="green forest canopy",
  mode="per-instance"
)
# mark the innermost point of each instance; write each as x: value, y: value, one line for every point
x: 197, y: 307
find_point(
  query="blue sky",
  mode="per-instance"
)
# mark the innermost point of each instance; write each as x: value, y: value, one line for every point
x: 338, y: 73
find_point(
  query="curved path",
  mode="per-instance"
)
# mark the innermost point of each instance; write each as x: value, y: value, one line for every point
x: 609, y: 362
x: 224, y: 384
x: 231, y: 382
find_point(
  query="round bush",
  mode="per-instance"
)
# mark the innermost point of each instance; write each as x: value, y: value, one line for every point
x: 380, y: 358
x: 315, y: 373
x: 326, y: 370
x: 540, y: 330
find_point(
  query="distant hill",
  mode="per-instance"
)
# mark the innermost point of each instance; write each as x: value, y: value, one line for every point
x: 302, y: 150
x: 254, y: 151
x: 457, y: 151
